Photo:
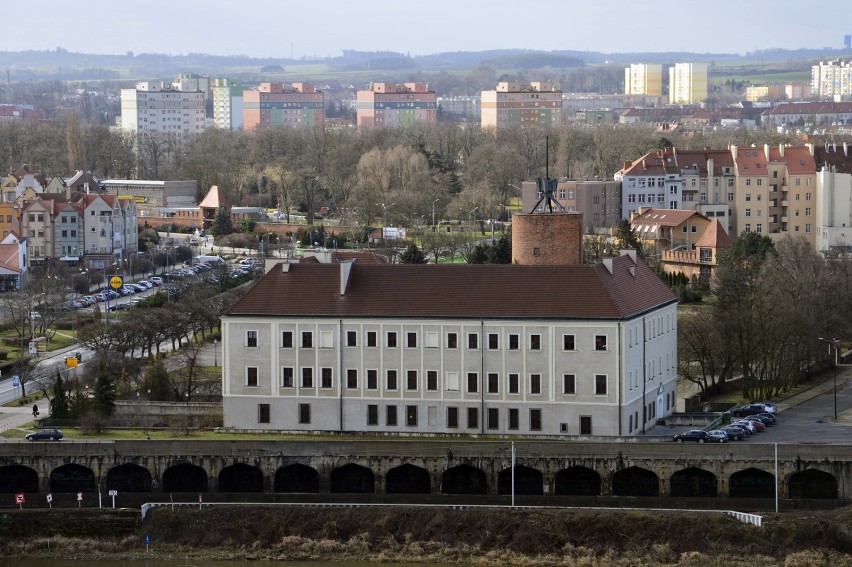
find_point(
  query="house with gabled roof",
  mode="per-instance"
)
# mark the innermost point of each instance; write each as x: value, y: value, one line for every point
x: 669, y: 229
x: 701, y: 261
x: 13, y: 262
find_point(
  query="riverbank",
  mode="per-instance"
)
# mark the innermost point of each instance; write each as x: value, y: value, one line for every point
x: 432, y: 535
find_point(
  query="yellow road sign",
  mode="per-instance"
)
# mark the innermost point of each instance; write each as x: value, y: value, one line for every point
x: 116, y: 282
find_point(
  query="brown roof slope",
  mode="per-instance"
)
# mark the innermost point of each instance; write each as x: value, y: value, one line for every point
x: 458, y: 291
x: 714, y: 236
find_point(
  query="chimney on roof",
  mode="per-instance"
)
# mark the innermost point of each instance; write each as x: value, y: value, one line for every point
x: 607, y: 262
x: 345, y: 272
x: 846, y: 149
x: 810, y: 149
x: 766, y: 151
x: 781, y: 149
x: 631, y: 253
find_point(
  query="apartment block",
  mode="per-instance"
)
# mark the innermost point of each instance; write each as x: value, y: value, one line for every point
x: 643, y: 79
x: 688, y: 83
x: 832, y: 80
x: 514, y: 104
x: 273, y: 104
x: 228, y: 104
x: 158, y: 107
x: 390, y: 104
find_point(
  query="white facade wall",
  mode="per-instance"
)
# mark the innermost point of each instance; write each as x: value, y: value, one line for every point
x: 833, y: 210
x: 169, y: 111
x: 660, y: 191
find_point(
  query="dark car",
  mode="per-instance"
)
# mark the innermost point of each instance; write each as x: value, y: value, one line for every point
x: 747, y: 410
x: 45, y: 435
x: 769, y: 418
x: 734, y: 432
x: 697, y: 435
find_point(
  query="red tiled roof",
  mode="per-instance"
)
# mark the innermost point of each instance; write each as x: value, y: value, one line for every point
x: 714, y: 236
x: 214, y: 199
x: 458, y: 291
x: 664, y: 217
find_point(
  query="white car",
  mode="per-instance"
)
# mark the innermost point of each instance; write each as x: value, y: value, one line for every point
x: 769, y: 406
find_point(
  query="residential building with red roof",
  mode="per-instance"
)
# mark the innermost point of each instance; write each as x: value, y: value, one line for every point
x: 701, y: 259
x: 669, y: 229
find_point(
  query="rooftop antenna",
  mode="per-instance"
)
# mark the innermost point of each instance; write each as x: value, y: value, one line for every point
x: 547, y: 186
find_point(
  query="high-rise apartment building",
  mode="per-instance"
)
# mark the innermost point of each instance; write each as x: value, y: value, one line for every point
x: 831, y: 80
x: 514, y: 104
x: 687, y: 83
x: 228, y: 104
x: 389, y: 104
x: 160, y: 107
x: 643, y: 79
x: 273, y: 104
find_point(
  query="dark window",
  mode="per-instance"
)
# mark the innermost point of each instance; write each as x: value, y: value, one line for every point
x: 391, y: 339
x: 569, y: 385
x: 307, y: 377
x: 535, y: 383
x: 307, y: 339
x: 287, y: 377
x: 411, y: 416
x: 472, y: 418
x: 600, y: 384
x: 472, y: 340
x: 371, y: 338
x: 493, y: 341
x: 325, y: 378
x: 411, y: 380
x: 304, y: 413
x: 287, y: 339
x: 351, y: 338
x: 372, y: 379
x: 251, y: 376
x: 535, y: 342
x: 452, y: 417
x: 493, y: 383
x: 493, y: 418
x: 513, y: 383
x: 452, y: 340
x: 472, y: 382
x: 513, y: 342
x: 372, y: 414
x: 585, y: 425
x: 600, y: 342
x: 263, y: 413
x: 391, y: 382
x: 352, y: 378
x: 390, y: 415
x: 411, y: 340
x: 568, y: 342
x: 535, y: 420
x: 513, y: 418
x: 431, y: 379
x: 251, y: 338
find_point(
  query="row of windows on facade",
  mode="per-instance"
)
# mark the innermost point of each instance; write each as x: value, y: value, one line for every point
x: 597, y: 386
x: 411, y: 340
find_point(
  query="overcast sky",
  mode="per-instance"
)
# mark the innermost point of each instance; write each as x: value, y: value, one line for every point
x: 277, y: 28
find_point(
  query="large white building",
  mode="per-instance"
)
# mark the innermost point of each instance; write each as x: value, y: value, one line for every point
x: 643, y: 79
x: 832, y: 80
x: 688, y: 83
x: 157, y: 107
x: 464, y: 349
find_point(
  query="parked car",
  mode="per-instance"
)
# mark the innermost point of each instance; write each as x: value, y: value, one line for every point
x: 747, y: 410
x: 768, y: 418
x: 130, y: 290
x: 748, y: 425
x: 45, y: 435
x: 717, y: 436
x: 156, y: 280
x: 770, y: 407
x: 758, y: 424
x: 698, y: 435
x: 735, y: 432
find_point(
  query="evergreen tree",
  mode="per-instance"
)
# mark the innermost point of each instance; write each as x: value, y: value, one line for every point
x: 627, y: 239
x: 59, y: 404
x: 156, y: 381
x: 222, y: 223
x: 104, y: 398
x: 500, y: 251
x: 412, y: 255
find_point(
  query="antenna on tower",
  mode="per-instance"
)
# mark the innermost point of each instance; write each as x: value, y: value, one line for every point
x: 547, y: 186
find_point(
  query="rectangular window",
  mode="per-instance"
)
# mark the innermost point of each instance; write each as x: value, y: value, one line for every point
x: 452, y: 417
x: 287, y: 377
x: 514, y: 386
x: 513, y: 342
x: 352, y: 378
x: 411, y: 340
x: 493, y: 416
x: 372, y: 414
x: 351, y: 338
x: 304, y: 413
x: 600, y: 342
x: 493, y: 383
x: 452, y: 340
x: 411, y: 380
x: 371, y: 338
x: 391, y: 339
x: 390, y: 415
x: 307, y: 339
x: 472, y: 418
x: 600, y: 384
x: 307, y: 377
x: 535, y: 383
x: 472, y: 382
x: 372, y: 379
x: 569, y: 384
x: 411, y: 416
x: 493, y: 341
x: 535, y: 420
x: 251, y: 376
x: 585, y: 425
x: 263, y: 413
x: 251, y: 338
x: 567, y: 342
x: 513, y: 419
x: 287, y: 339
x: 432, y: 380
x: 391, y: 383
x: 535, y: 342
x: 325, y: 377
x: 472, y: 340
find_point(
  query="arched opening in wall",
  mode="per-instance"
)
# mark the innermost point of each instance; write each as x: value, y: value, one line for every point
x: 72, y: 478
x: 464, y: 479
x: 751, y: 483
x: 812, y: 483
x: 18, y: 478
x: 184, y: 477
x: 528, y: 481
x: 128, y: 478
x: 577, y: 481
x: 296, y: 478
x: 408, y: 479
x: 240, y: 477
x: 353, y: 478
x: 635, y: 481
x: 694, y: 482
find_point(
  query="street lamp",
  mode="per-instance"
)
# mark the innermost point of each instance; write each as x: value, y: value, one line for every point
x: 385, y: 223
x: 471, y: 218
x: 215, y: 361
x: 833, y: 343
x: 433, y: 213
